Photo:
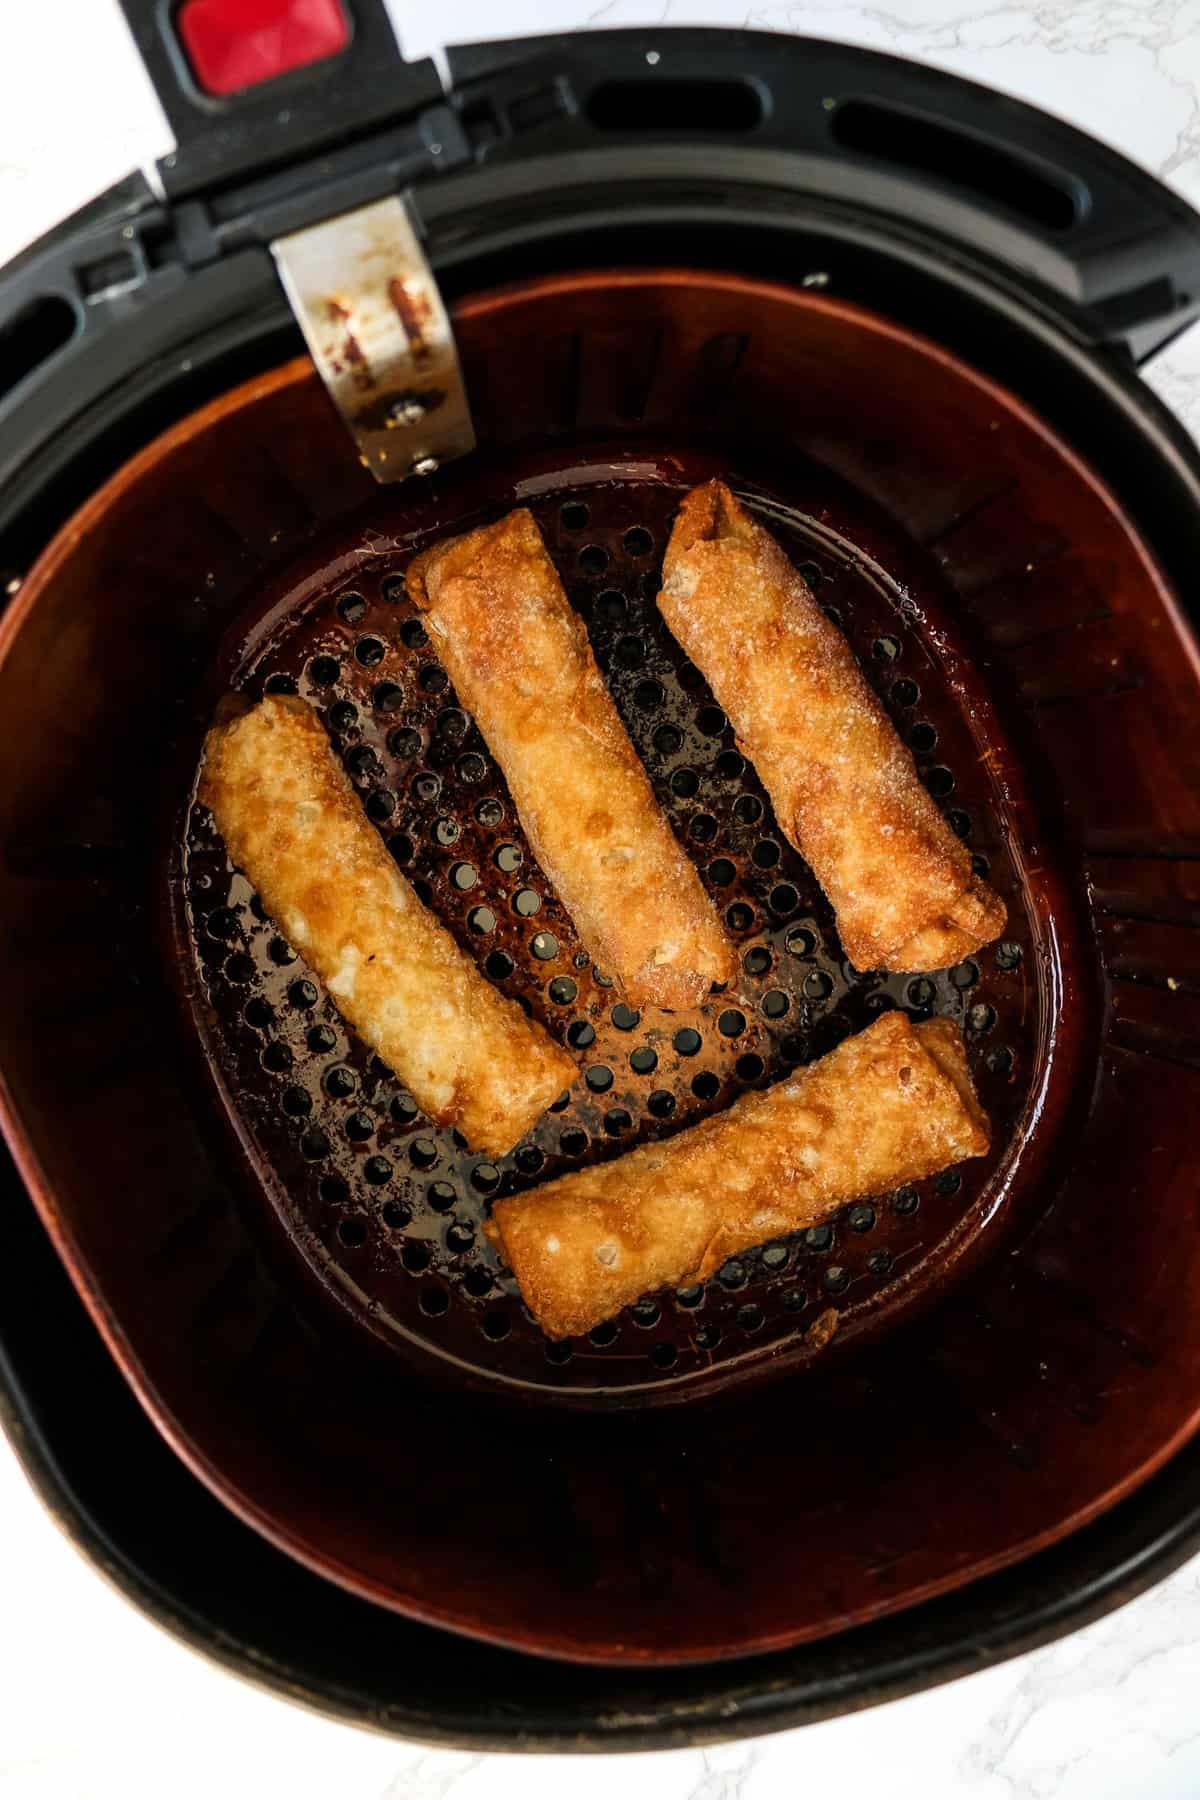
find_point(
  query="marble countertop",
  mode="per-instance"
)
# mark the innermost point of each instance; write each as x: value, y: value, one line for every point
x: 97, y: 1702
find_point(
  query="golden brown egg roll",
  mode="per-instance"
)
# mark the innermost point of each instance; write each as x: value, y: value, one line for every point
x: 844, y: 788
x: 294, y: 825
x: 891, y: 1105
x: 520, y: 660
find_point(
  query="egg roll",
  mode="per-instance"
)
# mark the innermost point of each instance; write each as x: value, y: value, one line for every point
x: 293, y: 824
x: 888, y: 1106
x: 844, y: 788
x: 520, y: 660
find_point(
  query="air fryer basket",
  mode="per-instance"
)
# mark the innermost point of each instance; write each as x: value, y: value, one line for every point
x: 961, y: 540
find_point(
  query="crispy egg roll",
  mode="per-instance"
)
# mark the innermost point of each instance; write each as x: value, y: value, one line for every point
x: 891, y: 1105
x: 520, y: 659
x: 844, y: 788
x: 293, y: 823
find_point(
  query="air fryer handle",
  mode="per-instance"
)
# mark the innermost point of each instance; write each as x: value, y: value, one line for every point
x: 989, y: 176
x: 222, y: 137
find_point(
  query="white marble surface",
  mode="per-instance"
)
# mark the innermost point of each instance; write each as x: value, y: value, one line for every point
x: 94, y: 1701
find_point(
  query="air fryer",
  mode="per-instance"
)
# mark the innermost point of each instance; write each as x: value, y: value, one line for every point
x: 901, y: 315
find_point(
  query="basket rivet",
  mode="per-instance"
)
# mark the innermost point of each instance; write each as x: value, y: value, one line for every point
x: 409, y: 410
x: 425, y: 465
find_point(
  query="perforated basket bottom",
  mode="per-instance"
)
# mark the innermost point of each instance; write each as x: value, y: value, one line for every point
x: 386, y: 1209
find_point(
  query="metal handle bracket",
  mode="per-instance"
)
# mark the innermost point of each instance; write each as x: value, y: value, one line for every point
x: 367, y: 302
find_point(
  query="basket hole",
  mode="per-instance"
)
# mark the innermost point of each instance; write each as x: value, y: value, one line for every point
x: 685, y: 783
x: 544, y: 946
x: 369, y: 651
x: 580, y: 1033
x: 478, y: 1281
x: 664, y: 1356
x: 526, y: 902
x: 905, y: 692
x: 611, y: 606
x: 861, y: 1218
x: 433, y: 679
x: 730, y: 765
x: 323, y: 671
x: 739, y: 916
x: 599, y: 1078
x: 617, y: 1121
x: 661, y: 1103
x: 757, y: 960
x: 377, y: 1170
x: 721, y: 872
x: 405, y: 743
x: 340, y: 1081
x: 905, y: 1201
x: 486, y: 1177
x: 649, y: 694
x: 433, y: 1302
x: 750, y: 1316
x: 644, y: 1060
x: 668, y: 739
x: 413, y: 634
x: 562, y: 990
x: 352, y: 608
x: 573, y: 516
x: 396, y: 1215
x: 490, y: 812
x: 706, y: 1085
x: 886, y: 649
x: 415, y: 1256
x: 441, y: 1195
x: 352, y: 1232
x: 637, y: 541
x: 749, y: 1067
x: 499, y: 965
x: 922, y: 737
x: 593, y: 559
x: 687, y: 1041
x: 604, y: 1334
x: 775, y: 1003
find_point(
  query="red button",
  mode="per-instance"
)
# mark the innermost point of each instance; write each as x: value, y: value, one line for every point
x: 235, y: 44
